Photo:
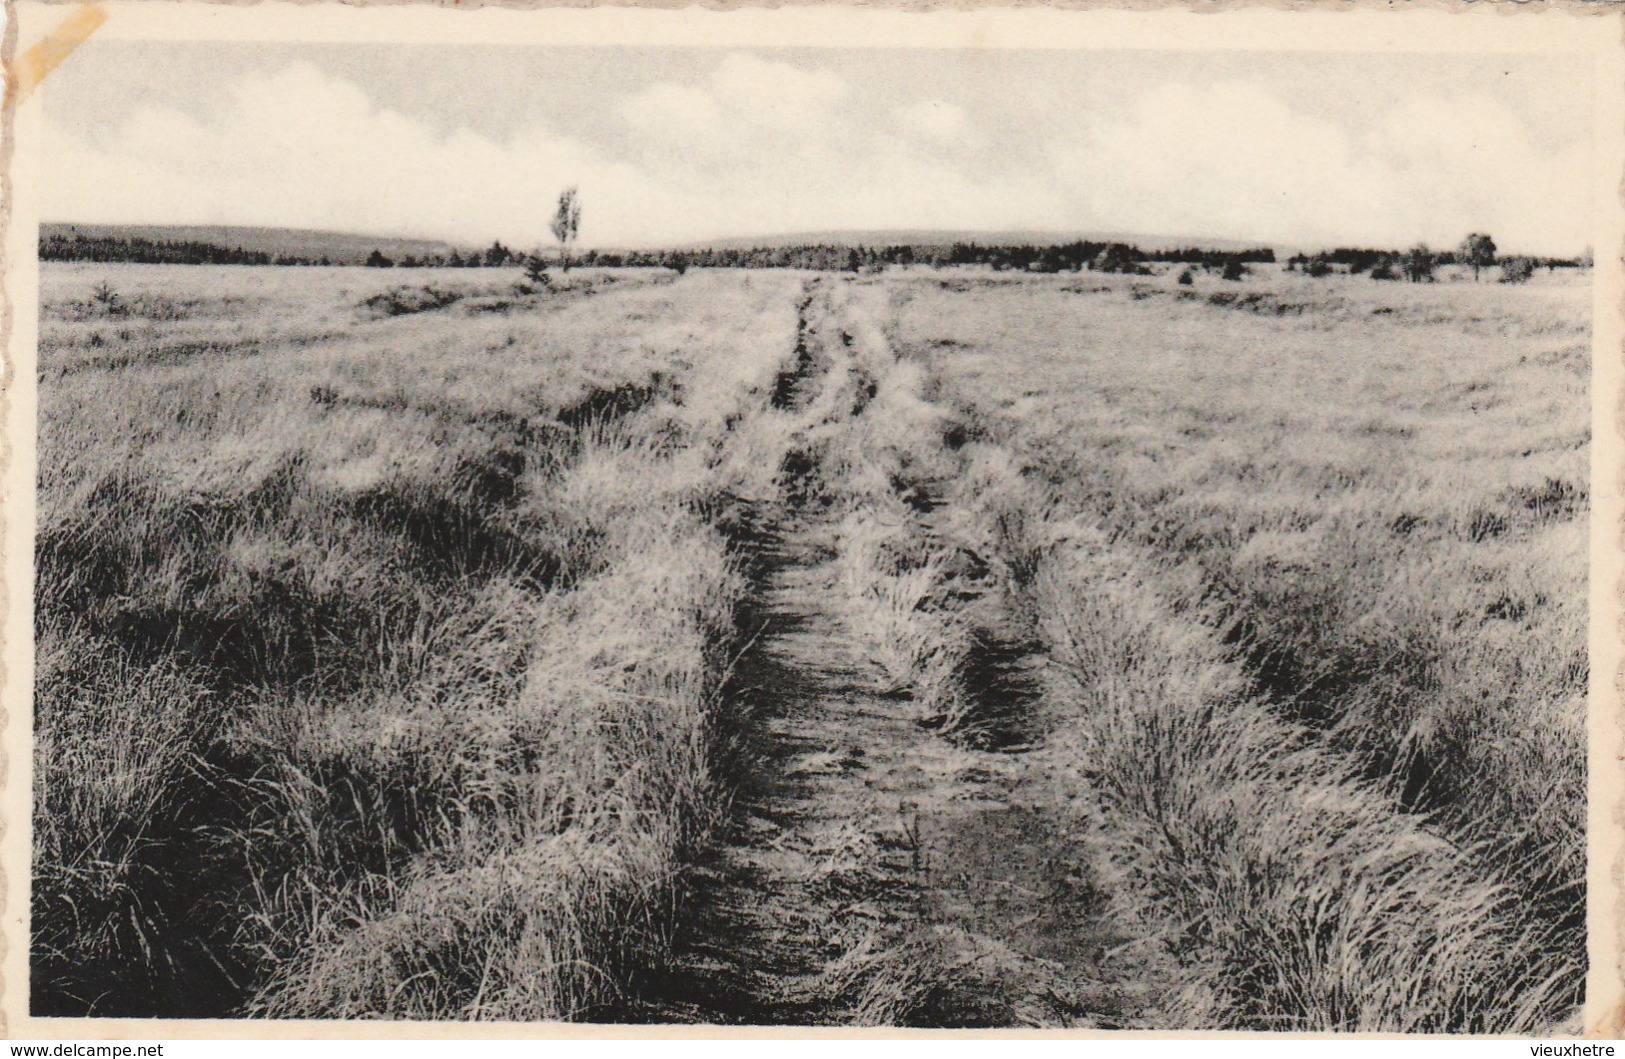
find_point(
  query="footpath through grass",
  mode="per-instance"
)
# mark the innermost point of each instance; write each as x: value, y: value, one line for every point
x: 889, y: 859
x: 935, y: 649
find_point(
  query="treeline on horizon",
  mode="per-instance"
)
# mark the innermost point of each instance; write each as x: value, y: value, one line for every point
x: 139, y: 250
x: 1061, y: 257
x: 1394, y: 264
x: 1073, y: 256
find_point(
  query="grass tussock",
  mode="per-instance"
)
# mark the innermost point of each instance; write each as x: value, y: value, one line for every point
x: 545, y: 891
x: 899, y: 583
x: 117, y: 748
x: 934, y: 977
x: 913, y: 637
x: 918, y: 591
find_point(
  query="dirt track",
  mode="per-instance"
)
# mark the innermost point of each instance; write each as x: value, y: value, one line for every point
x: 873, y: 870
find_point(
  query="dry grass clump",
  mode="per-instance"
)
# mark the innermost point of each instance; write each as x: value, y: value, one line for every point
x: 933, y: 977
x: 914, y: 639
x: 545, y: 889
x: 883, y: 465
x: 261, y: 609
x: 918, y: 591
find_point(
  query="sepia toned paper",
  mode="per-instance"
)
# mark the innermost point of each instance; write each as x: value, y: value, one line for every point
x: 1243, y: 127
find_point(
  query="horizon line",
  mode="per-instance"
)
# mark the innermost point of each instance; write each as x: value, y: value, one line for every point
x: 813, y: 237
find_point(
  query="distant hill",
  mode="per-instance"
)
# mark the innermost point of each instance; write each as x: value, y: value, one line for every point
x: 949, y: 236
x: 340, y: 248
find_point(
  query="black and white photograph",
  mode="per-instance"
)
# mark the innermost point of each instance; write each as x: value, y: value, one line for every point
x: 930, y: 521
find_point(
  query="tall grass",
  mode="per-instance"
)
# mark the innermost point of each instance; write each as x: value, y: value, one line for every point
x: 914, y: 639
x: 545, y: 887
x: 407, y: 643
x: 878, y: 455
x: 382, y: 657
x: 914, y: 581
x: 1365, y: 576
x: 1269, y: 884
x: 119, y: 742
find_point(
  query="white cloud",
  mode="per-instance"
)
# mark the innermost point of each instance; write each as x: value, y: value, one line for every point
x: 935, y: 120
x: 1233, y: 160
x: 753, y: 147
x: 1227, y: 156
x: 304, y: 149
x: 1466, y: 163
x: 773, y: 94
x: 676, y: 113
x: 742, y: 99
x: 757, y: 146
x: 765, y: 146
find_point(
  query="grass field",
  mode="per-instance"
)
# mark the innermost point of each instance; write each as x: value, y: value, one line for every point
x: 931, y: 647
x: 403, y: 634
x: 1313, y: 567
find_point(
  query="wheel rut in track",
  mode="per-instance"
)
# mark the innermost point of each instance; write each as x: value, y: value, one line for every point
x: 872, y: 871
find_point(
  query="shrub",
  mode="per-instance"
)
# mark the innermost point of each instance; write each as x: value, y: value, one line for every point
x: 1418, y: 264
x: 1477, y: 250
x: 106, y: 298
x: 1234, y: 270
x: 1185, y: 278
x: 536, y: 271
x: 1517, y: 269
x: 402, y: 301
x: 1118, y: 257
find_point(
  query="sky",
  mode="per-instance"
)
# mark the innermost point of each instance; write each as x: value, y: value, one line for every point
x: 671, y: 145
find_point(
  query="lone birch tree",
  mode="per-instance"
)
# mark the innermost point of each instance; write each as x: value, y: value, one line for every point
x: 567, y: 224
